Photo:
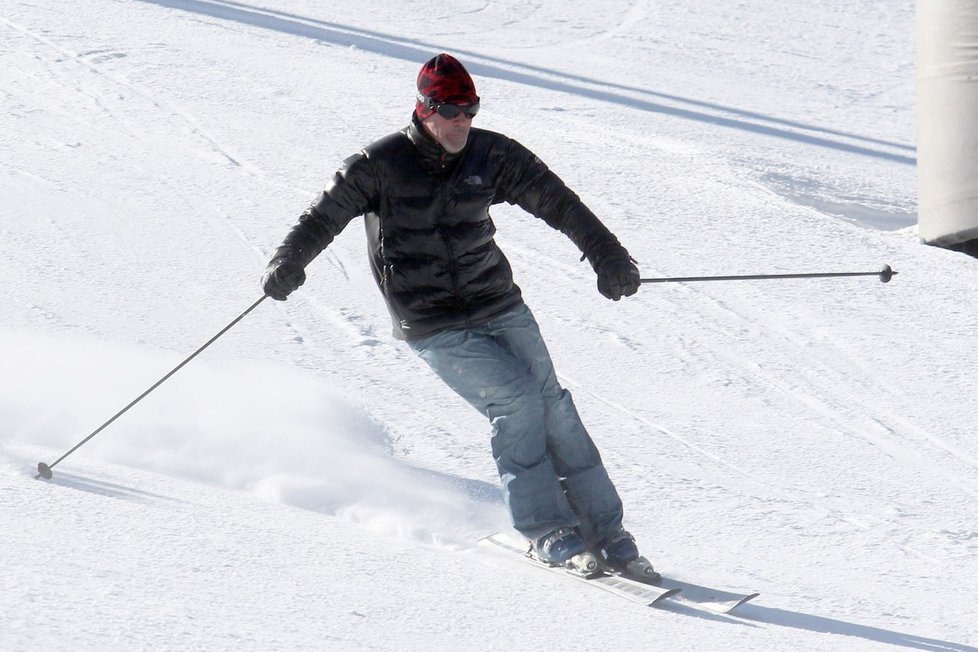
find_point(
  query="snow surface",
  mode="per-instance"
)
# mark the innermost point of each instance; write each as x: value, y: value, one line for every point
x: 306, y: 483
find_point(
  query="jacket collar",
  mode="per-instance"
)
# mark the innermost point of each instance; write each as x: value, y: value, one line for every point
x: 434, y: 157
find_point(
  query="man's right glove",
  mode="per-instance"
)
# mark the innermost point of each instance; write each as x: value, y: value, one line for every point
x: 283, y: 275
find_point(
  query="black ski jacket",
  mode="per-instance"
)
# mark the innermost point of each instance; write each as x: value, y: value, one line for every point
x: 430, y: 234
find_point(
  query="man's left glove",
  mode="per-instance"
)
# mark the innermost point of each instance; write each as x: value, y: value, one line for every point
x: 617, y: 278
x: 284, y: 274
x: 617, y: 274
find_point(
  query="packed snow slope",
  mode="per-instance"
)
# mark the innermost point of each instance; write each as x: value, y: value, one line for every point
x: 306, y: 483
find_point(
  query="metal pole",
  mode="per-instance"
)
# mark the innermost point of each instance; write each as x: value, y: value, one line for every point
x: 44, y: 470
x: 884, y: 275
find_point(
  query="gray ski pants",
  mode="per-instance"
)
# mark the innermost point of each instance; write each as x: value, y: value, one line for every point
x: 551, y: 472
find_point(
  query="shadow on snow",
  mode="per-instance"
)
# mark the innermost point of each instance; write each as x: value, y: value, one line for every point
x: 822, y: 625
x: 416, y: 51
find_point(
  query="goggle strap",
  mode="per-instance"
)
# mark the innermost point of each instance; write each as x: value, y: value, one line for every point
x: 426, y: 101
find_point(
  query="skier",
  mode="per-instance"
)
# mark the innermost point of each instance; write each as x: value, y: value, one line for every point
x: 425, y: 192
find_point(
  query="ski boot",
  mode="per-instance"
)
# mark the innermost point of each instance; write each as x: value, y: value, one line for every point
x: 565, y: 547
x: 619, y: 554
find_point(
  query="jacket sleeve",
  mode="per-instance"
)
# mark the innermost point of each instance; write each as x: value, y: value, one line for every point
x: 525, y: 180
x: 351, y: 192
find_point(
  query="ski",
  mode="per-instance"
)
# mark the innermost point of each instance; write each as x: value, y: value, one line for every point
x: 703, y: 597
x: 629, y: 589
x: 635, y: 588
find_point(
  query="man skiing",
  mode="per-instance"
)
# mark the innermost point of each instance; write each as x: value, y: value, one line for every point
x: 425, y: 193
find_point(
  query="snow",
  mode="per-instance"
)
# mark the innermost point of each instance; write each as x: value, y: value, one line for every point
x: 306, y: 483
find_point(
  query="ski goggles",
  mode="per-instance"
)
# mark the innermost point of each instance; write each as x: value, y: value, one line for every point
x: 448, y: 110
x: 451, y: 111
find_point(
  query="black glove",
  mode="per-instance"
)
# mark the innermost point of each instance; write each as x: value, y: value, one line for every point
x: 617, y: 278
x: 617, y: 274
x: 283, y: 275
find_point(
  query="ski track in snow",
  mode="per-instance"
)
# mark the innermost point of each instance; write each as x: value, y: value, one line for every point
x: 207, y: 143
x: 83, y: 60
x: 817, y: 383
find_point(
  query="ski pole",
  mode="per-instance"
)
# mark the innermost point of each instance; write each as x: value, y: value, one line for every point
x: 44, y: 470
x: 884, y: 275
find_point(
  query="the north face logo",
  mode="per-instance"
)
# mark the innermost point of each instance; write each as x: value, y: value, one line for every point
x: 474, y: 180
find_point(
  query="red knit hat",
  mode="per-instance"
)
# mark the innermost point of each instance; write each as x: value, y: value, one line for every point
x: 443, y: 79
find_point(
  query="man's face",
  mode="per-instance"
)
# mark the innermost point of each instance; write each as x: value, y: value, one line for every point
x: 451, y: 133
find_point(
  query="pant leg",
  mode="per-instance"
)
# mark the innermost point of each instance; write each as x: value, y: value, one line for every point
x: 485, y: 373
x: 575, y: 458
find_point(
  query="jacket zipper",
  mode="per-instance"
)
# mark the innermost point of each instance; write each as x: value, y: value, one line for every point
x: 450, y: 249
